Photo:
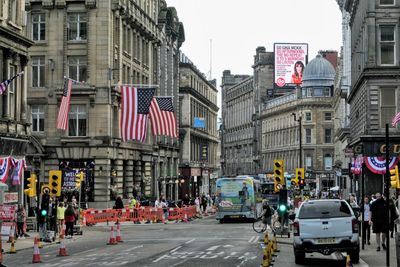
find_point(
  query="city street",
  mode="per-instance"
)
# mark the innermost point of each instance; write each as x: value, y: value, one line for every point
x: 202, y: 242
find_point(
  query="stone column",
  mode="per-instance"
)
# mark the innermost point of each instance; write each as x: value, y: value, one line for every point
x: 118, y: 166
x: 129, y: 177
x: 147, y: 177
x: 24, y: 89
x: 138, y: 177
x: 6, y: 64
x: 102, y: 182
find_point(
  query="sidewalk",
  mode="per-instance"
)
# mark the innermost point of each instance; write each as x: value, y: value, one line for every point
x: 375, y: 258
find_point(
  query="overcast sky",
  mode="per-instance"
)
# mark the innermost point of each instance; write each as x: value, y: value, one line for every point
x: 238, y: 27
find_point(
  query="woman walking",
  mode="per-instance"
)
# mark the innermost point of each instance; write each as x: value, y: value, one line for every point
x: 69, y: 221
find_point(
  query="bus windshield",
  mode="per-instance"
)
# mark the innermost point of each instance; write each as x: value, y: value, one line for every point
x: 235, y: 194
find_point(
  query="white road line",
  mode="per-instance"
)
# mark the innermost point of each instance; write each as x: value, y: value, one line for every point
x: 175, y: 249
x: 190, y: 241
x: 213, y: 247
x: 256, y: 239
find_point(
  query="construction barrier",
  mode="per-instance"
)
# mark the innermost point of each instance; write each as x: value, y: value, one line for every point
x: 142, y: 214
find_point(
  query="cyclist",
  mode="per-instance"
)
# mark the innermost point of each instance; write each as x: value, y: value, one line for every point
x: 266, y: 213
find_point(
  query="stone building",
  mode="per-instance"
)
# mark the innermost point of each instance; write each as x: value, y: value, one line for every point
x: 102, y: 43
x: 198, y: 129
x: 15, y: 139
x: 375, y: 73
x: 309, y: 110
x: 242, y: 101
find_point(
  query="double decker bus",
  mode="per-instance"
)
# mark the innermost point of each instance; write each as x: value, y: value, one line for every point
x: 238, y: 198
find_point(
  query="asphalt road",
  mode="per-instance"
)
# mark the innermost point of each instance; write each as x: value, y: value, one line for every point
x: 202, y: 242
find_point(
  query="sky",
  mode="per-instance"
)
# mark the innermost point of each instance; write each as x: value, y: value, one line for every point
x: 224, y: 34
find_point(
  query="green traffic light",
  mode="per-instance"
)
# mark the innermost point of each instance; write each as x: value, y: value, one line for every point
x: 44, y: 212
x: 282, y: 208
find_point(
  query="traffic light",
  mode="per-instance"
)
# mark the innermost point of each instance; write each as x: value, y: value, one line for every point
x: 31, y: 191
x: 394, y: 177
x: 55, y: 177
x: 300, y: 177
x: 279, y: 179
x: 282, y: 202
x: 45, y: 204
x: 79, y: 179
x: 295, y: 181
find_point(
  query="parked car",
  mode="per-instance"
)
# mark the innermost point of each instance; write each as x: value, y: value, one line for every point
x: 325, y: 226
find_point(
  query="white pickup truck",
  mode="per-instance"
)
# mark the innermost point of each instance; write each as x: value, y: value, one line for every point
x: 325, y: 226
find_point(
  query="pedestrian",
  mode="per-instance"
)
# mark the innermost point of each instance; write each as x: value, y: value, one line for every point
x: 379, y: 220
x: 204, y: 203
x: 70, y: 217
x: 366, y: 227
x: 118, y: 203
x: 197, y: 203
x: 53, y: 214
x: 20, y: 220
x: 60, y: 216
x: 186, y: 200
x: 132, y: 203
x: 164, y: 206
x: 393, y: 215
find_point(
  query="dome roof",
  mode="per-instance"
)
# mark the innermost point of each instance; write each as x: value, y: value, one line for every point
x: 319, y: 72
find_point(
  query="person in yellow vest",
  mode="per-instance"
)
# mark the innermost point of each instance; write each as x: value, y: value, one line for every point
x: 132, y: 203
x: 60, y: 216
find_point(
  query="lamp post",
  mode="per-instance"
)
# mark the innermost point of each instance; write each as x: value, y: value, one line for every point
x: 300, y: 139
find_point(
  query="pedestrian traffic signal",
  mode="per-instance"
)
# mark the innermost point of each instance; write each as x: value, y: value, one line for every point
x: 394, y: 177
x: 279, y: 180
x: 55, y: 177
x: 300, y: 177
x: 79, y: 179
x: 31, y: 191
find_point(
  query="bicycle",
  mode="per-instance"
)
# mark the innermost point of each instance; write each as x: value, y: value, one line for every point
x: 260, y: 227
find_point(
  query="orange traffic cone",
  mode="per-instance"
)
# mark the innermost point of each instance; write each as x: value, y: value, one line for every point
x: 62, y: 251
x: 118, y: 238
x: 36, y: 254
x: 112, y: 240
x: 11, y: 235
x: 185, y: 218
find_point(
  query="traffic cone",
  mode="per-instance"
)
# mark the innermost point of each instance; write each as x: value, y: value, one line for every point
x: 36, y: 253
x: 185, y: 218
x: 62, y: 251
x: 275, y: 245
x: 12, y: 249
x: 112, y: 240
x: 266, y: 240
x: 348, y: 261
x: 118, y: 238
x: 11, y: 235
x: 266, y: 262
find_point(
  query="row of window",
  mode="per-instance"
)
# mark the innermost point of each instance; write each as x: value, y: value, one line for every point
x: 77, y: 119
x: 77, y: 69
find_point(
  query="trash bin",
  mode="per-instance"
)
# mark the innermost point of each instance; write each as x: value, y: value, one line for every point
x: 397, y: 243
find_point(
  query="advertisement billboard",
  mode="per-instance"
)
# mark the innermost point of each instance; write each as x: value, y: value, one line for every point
x: 290, y: 60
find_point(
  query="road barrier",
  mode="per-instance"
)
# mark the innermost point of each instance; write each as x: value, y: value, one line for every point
x: 142, y: 214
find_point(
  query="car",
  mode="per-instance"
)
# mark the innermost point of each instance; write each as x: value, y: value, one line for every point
x: 325, y: 226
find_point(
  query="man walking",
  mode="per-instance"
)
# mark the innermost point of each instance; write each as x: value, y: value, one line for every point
x: 379, y: 220
x: 366, y: 227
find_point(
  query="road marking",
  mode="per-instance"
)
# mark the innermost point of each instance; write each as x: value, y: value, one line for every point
x: 251, y: 239
x: 254, y: 239
x: 213, y: 247
x: 190, y: 241
x: 175, y: 249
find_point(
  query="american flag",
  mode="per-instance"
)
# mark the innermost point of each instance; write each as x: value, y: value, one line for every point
x: 162, y: 117
x: 135, y: 104
x: 4, y: 85
x: 62, y: 120
x: 396, y: 119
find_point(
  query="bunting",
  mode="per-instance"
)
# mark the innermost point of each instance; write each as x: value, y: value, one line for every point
x: 4, y: 168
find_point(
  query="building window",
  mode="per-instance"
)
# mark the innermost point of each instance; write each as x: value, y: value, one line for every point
x: 328, y: 135
x: 37, y: 118
x: 77, y: 68
x: 328, y: 162
x: 38, y: 65
x: 11, y: 89
x: 13, y: 8
x: 308, y: 116
x: 77, y: 120
x: 308, y: 162
x: 387, y: 45
x: 77, y: 26
x: 387, y: 105
x: 387, y: 2
x: 308, y: 136
x: 328, y: 116
x: 38, y: 27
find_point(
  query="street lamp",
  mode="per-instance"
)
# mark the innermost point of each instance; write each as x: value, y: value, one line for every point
x: 300, y: 141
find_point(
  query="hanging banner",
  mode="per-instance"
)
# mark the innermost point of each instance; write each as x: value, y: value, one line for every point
x: 4, y: 168
x: 378, y: 164
x: 356, y: 165
x: 69, y: 180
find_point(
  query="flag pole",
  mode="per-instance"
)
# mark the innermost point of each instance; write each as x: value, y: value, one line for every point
x: 139, y: 85
x: 74, y: 81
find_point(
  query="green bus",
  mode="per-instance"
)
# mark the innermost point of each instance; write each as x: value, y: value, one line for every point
x: 238, y: 198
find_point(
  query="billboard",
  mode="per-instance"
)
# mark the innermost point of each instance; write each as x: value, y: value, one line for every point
x: 290, y: 60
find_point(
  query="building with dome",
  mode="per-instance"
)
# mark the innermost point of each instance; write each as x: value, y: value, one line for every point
x: 306, y: 114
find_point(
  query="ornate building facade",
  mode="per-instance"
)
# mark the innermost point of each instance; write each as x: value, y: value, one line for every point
x: 198, y: 129
x: 15, y: 139
x: 101, y: 43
